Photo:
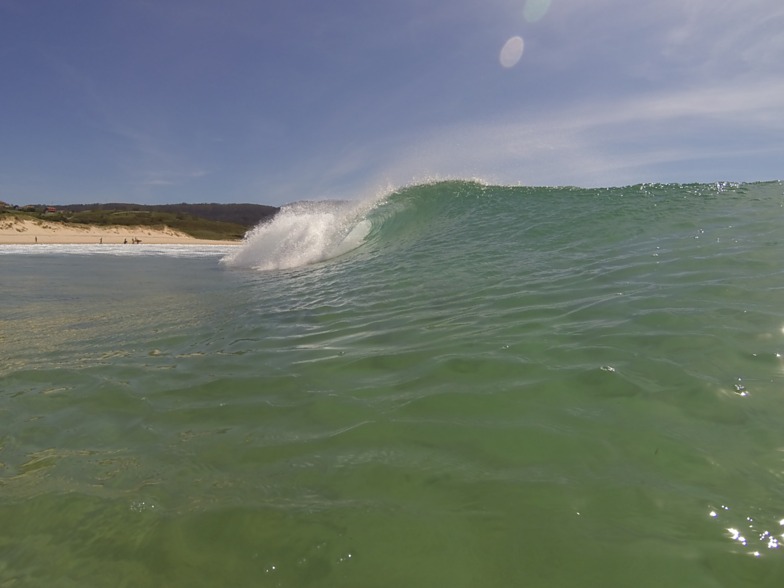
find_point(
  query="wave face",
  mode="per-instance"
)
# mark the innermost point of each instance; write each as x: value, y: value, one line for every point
x: 463, y: 216
x: 454, y: 384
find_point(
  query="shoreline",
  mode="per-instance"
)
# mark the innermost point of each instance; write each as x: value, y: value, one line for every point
x: 28, y: 232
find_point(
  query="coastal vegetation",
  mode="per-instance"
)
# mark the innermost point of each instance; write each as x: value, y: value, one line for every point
x: 202, y: 221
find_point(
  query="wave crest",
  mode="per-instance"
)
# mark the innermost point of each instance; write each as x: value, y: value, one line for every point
x: 301, y: 234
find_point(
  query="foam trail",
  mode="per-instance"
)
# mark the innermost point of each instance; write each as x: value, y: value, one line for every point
x: 303, y: 233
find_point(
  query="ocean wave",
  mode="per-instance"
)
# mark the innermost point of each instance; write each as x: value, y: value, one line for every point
x: 302, y: 234
x: 307, y: 233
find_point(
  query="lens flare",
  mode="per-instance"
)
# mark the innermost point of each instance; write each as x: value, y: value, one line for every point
x: 535, y: 9
x: 511, y: 52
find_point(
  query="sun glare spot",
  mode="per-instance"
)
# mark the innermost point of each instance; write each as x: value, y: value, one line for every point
x: 535, y: 9
x: 511, y: 52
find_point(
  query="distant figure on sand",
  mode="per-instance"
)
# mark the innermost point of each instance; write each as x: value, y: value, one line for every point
x: 100, y: 241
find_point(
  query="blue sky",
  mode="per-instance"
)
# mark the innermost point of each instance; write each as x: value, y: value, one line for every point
x: 154, y: 101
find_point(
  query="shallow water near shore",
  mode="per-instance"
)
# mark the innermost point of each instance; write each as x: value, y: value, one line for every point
x: 495, y: 387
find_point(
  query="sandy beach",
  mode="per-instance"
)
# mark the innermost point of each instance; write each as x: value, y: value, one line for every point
x: 15, y: 231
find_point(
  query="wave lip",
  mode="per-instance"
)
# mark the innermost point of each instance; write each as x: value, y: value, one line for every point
x: 301, y: 234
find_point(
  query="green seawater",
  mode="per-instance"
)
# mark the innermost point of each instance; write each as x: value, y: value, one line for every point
x: 455, y: 385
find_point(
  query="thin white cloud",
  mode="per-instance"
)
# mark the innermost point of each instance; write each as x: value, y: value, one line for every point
x: 726, y: 34
x: 327, y: 100
x: 715, y: 66
x: 664, y: 40
x: 145, y: 151
x: 619, y: 142
x: 760, y: 104
x: 676, y: 136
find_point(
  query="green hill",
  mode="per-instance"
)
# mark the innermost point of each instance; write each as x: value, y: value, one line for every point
x: 203, y: 221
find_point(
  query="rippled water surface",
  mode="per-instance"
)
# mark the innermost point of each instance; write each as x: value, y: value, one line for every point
x: 479, y: 386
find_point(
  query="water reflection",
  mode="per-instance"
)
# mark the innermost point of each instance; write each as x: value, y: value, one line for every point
x: 744, y: 531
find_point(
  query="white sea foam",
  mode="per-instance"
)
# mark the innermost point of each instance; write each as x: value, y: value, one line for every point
x: 304, y: 233
x: 167, y: 250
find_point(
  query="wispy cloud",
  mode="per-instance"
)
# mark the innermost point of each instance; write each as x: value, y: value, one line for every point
x: 608, y: 143
x: 318, y: 100
x: 710, y: 80
x: 143, y: 147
